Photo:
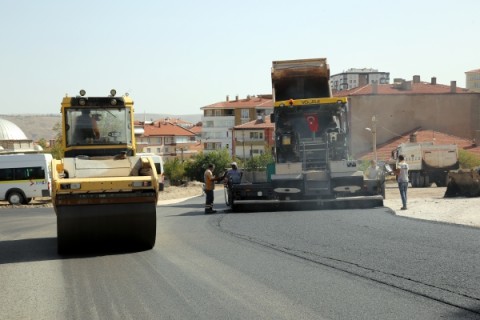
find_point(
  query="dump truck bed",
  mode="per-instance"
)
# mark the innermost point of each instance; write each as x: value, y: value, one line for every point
x: 300, y: 79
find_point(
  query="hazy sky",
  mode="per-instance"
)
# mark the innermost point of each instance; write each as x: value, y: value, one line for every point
x: 175, y: 57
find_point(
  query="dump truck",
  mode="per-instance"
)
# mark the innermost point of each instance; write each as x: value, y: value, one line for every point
x: 428, y: 162
x: 313, y: 166
x: 102, y: 192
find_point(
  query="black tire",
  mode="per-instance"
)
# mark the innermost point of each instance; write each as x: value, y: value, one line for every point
x: 15, y: 198
x: 413, y: 179
x: 427, y: 183
x: 421, y: 180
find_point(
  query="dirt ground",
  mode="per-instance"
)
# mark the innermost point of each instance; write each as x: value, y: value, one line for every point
x: 429, y: 204
x: 423, y: 203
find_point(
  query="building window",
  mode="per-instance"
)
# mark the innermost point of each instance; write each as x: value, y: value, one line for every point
x: 256, y: 135
x: 159, y: 150
x: 245, y: 114
x: 218, y: 113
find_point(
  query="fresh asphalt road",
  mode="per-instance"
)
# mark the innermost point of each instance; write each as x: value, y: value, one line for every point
x: 346, y: 264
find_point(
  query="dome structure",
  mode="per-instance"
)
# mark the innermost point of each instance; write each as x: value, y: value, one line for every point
x: 10, y: 131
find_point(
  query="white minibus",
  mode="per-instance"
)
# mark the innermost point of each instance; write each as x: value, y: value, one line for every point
x: 24, y: 176
x: 158, y: 165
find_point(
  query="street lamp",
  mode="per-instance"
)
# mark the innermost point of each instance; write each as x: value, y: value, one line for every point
x: 373, y: 130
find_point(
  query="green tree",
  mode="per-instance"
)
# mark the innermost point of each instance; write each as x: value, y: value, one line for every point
x: 57, y: 148
x: 259, y: 162
x: 42, y: 142
x: 196, y: 166
x: 174, y: 171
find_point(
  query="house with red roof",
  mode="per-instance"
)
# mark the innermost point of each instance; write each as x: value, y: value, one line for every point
x: 253, y: 138
x: 220, y: 118
x: 168, y: 138
x: 398, y: 108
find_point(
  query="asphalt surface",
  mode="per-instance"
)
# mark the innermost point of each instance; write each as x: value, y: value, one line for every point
x: 346, y: 264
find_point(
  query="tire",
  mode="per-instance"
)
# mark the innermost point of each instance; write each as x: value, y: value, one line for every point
x: 15, y: 198
x: 414, y: 179
x: 427, y: 183
x: 421, y: 181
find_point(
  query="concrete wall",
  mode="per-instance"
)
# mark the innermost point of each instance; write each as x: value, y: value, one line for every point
x: 455, y: 114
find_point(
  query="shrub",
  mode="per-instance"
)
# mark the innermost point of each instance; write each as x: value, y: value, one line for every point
x: 196, y: 166
x: 174, y: 171
x: 467, y: 159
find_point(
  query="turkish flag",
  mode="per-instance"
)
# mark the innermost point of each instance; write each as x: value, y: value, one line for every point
x: 312, y: 120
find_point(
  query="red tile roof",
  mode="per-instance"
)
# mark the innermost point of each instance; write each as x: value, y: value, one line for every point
x: 252, y: 102
x: 166, y: 129
x: 196, y: 129
x: 256, y: 124
x: 178, y: 121
x: 391, y: 89
x: 384, y: 150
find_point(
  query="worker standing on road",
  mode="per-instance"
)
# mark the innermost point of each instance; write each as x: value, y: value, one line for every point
x: 231, y: 177
x: 209, y: 180
x: 402, y: 179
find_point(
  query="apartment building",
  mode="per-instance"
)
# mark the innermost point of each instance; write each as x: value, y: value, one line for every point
x: 220, y: 118
x: 253, y: 138
x: 353, y: 78
x: 472, y: 80
x: 408, y: 105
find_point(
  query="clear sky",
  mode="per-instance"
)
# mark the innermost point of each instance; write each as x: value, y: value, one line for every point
x: 175, y: 57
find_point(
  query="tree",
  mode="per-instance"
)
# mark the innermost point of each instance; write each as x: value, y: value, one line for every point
x: 197, y: 165
x: 259, y: 162
x: 42, y: 142
x: 174, y: 171
x: 57, y: 148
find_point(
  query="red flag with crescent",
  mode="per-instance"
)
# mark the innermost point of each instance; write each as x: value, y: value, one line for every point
x: 312, y: 120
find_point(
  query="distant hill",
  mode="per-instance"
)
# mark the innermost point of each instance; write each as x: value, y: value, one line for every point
x: 37, y: 126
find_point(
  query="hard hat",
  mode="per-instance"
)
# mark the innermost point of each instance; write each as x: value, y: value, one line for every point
x: 234, y: 164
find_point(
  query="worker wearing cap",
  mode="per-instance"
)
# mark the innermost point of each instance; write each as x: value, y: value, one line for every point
x: 232, y: 176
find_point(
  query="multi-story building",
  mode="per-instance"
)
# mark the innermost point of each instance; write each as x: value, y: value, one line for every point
x: 393, y: 109
x: 219, y: 119
x: 253, y: 138
x: 353, y: 78
x: 473, y: 80
x: 165, y: 137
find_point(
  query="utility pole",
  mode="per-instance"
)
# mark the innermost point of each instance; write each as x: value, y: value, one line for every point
x: 373, y: 130
x: 374, y: 134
